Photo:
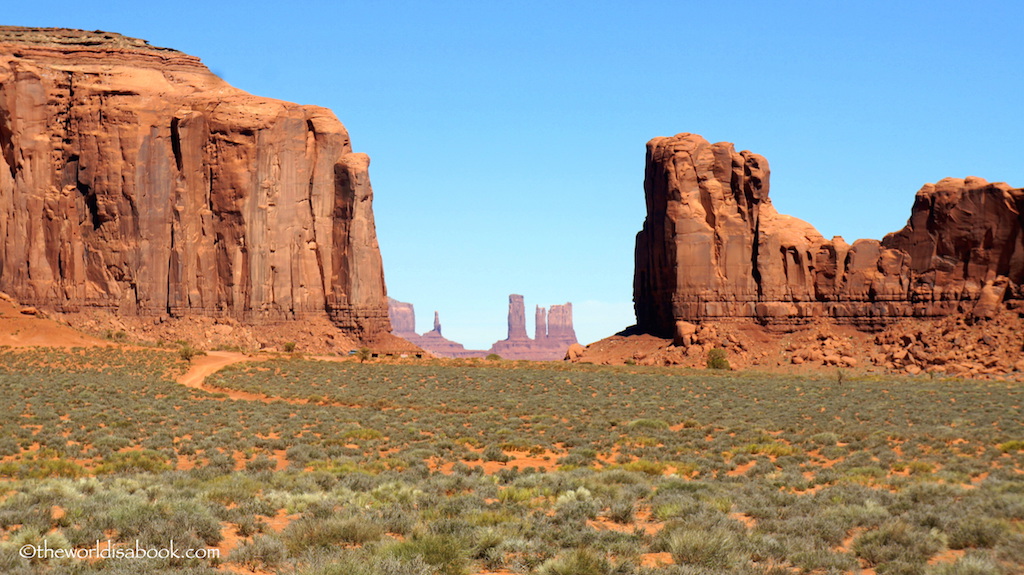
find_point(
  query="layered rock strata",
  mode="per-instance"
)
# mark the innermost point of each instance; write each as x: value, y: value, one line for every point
x: 714, y: 248
x: 133, y: 179
x: 553, y: 332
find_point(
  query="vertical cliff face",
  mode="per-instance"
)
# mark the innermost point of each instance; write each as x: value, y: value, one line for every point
x: 133, y: 179
x: 559, y: 325
x: 714, y: 248
x: 962, y: 235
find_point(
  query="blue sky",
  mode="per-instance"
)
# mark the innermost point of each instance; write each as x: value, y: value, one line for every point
x: 507, y: 138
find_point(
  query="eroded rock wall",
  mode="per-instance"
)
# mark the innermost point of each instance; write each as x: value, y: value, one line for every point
x: 133, y: 179
x: 714, y: 248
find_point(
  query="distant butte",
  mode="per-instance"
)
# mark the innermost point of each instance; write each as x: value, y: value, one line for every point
x: 403, y: 321
x: 553, y: 333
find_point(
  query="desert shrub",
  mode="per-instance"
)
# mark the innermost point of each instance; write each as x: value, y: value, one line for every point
x: 622, y: 511
x: 187, y: 352
x: 42, y: 467
x: 145, y: 461
x: 580, y: 561
x: 648, y: 424
x: 715, y: 549
x: 264, y: 552
x: 446, y: 554
x: 494, y: 453
x: 493, y: 357
x: 261, y: 462
x: 773, y: 449
x: 289, y: 346
x: 299, y: 456
x: 976, y: 531
x: 644, y: 466
x: 970, y: 564
x: 1012, y: 445
x: 363, y: 354
x: 362, y: 434
x: 717, y: 359
x: 897, y: 541
x: 825, y: 438
x: 316, y: 533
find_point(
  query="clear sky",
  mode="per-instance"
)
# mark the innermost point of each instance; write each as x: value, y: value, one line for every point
x: 507, y: 138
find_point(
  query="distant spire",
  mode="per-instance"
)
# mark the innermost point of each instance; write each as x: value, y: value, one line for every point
x: 516, y: 318
x: 437, y: 323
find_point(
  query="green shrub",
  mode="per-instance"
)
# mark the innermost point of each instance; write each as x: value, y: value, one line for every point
x: 1012, y: 445
x: 42, y: 467
x: 714, y: 549
x: 264, y: 552
x: 970, y: 564
x: 187, y: 352
x: 644, y: 466
x: 897, y: 541
x: 145, y: 461
x: 580, y: 561
x: 648, y: 424
x: 717, y: 359
x: 326, y: 533
x: 363, y: 433
x: 494, y: 453
x: 445, y: 553
x: 975, y: 531
x: 289, y: 346
x: 493, y: 357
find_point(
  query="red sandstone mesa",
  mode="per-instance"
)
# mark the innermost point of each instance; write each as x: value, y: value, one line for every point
x: 134, y: 179
x: 714, y: 248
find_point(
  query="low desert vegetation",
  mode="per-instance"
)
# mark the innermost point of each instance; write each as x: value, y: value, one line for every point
x: 446, y: 468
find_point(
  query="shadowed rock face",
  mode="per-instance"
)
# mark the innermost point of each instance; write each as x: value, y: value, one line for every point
x: 714, y: 248
x: 133, y: 179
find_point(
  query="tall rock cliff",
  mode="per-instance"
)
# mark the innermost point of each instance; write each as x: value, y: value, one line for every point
x: 714, y: 248
x: 133, y: 179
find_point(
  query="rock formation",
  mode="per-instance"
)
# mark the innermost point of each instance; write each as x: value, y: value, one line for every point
x: 516, y: 318
x: 553, y: 333
x: 403, y: 322
x: 714, y: 248
x: 133, y: 179
x: 403, y: 317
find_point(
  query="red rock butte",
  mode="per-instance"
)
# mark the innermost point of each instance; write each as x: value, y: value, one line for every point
x: 713, y: 248
x: 403, y: 323
x: 133, y: 179
x: 553, y: 332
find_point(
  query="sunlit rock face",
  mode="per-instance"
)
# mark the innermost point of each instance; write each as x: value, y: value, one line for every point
x: 713, y: 248
x: 134, y: 179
